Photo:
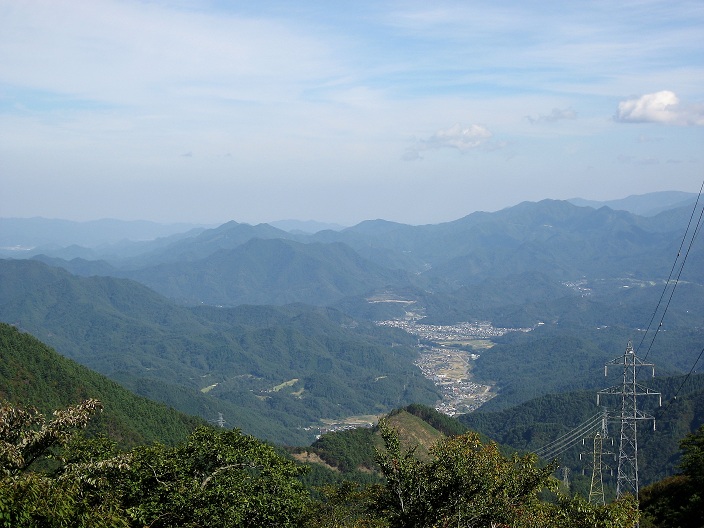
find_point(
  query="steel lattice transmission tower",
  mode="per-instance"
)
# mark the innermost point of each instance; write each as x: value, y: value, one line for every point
x: 629, y: 391
x: 220, y: 421
x: 596, y: 489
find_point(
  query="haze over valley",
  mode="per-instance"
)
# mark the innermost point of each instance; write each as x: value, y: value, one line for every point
x: 319, y: 265
x: 285, y: 332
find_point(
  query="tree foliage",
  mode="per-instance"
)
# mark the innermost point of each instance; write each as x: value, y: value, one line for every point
x: 53, y: 476
x: 213, y: 479
x: 48, y: 496
x: 678, y: 501
x: 469, y: 483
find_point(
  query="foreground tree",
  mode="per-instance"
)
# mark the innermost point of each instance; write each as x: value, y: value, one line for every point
x: 678, y: 501
x: 471, y: 484
x: 346, y: 505
x: 214, y: 479
x: 52, y: 477
x: 34, y: 491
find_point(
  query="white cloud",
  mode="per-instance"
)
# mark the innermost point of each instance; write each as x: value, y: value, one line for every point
x: 659, y: 107
x: 457, y: 137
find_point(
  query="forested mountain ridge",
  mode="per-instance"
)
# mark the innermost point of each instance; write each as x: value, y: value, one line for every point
x: 649, y: 204
x: 579, y: 281
x: 32, y: 374
x: 102, y: 234
x: 269, y: 271
x: 573, y: 235
x: 556, y: 238
x: 288, y: 366
x: 227, y: 236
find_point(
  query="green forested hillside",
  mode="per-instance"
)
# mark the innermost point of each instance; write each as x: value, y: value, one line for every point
x: 289, y: 366
x: 554, y: 237
x: 538, y: 422
x: 32, y: 374
x: 328, y: 364
x: 419, y: 428
x: 354, y: 450
x: 268, y: 271
x: 563, y: 356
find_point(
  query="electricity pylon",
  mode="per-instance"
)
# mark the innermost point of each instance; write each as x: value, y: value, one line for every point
x: 566, y: 476
x: 596, y: 489
x: 220, y: 420
x: 629, y: 415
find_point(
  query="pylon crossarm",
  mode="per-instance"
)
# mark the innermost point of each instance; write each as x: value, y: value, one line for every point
x: 645, y: 391
x: 615, y: 390
x: 640, y: 415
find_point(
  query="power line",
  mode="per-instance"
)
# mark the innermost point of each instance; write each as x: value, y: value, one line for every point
x: 571, y: 438
x: 567, y: 438
x: 686, y: 378
x: 629, y: 390
x: 674, y: 264
x: 695, y: 232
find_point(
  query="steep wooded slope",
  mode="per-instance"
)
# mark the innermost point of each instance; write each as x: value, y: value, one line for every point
x: 286, y: 365
x: 32, y: 374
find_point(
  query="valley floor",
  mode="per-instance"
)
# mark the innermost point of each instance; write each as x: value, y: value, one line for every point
x: 448, y: 366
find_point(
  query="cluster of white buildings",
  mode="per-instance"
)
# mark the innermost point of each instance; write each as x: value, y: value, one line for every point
x: 456, y: 332
x: 460, y: 395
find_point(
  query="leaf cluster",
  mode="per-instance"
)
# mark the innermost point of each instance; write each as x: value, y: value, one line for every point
x: 678, y: 501
x: 470, y: 483
x: 215, y: 478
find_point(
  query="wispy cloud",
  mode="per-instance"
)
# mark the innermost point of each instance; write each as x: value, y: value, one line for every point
x: 456, y: 137
x: 557, y: 114
x: 648, y: 160
x: 660, y: 107
x: 143, y: 53
x: 327, y: 99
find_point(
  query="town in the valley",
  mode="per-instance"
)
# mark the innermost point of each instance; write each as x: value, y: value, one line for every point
x: 447, y: 353
x: 446, y: 359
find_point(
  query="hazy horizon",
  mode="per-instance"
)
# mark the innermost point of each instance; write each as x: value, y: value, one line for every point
x: 288, y: 223
x: 203, y: 112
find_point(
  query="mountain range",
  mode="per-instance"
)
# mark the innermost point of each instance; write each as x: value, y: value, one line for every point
x: 277, y: 330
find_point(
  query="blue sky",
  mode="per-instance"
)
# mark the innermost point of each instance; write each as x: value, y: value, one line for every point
x: 417, y: 112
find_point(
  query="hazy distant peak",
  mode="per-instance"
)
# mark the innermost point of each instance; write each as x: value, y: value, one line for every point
x: 648, y: 204
x: 375, y: 226
x: 305, y: 226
